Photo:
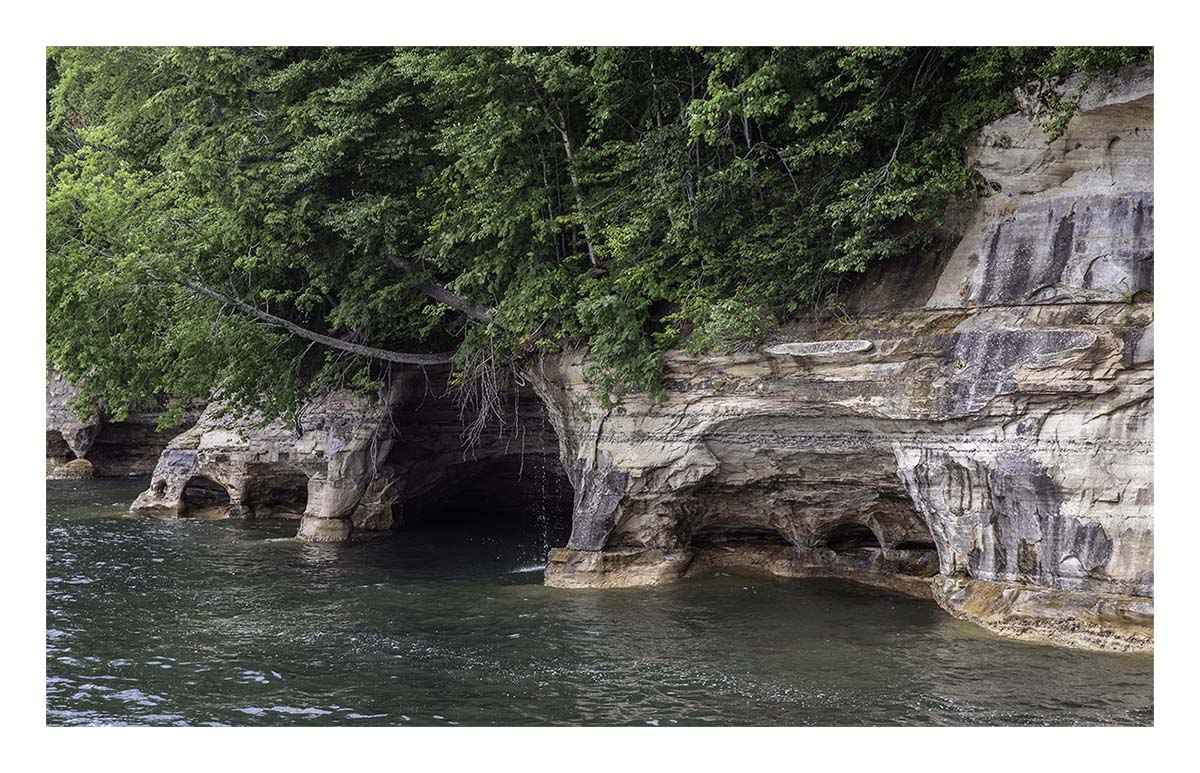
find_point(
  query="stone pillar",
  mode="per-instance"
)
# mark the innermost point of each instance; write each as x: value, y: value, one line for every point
x: 317, y: 529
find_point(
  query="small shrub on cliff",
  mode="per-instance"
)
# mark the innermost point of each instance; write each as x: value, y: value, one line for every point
x: 728, y: 325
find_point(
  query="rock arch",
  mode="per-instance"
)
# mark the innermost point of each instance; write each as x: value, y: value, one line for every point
x: 205, y: 499
x: 360, y: 464
x: 274, y: 490
x: 749, y: 489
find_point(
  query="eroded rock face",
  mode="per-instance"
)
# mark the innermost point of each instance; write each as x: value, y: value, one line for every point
x: 67, y: 437
x: 995, y: 439
x: 319, y: 470
x: 354, y: 465
x: 977, y: 431
x: 99, y: 447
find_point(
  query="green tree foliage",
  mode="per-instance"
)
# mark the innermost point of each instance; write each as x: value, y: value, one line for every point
x: 626, y: 199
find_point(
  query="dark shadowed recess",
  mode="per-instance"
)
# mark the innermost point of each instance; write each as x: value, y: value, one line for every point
x: 511, y: 495
x: 204, y: 498
x: 57, y: 449
x: 851, y: 536
x: 275, y: 491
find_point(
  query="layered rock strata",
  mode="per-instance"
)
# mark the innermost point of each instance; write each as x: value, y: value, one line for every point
x: 319, y: 470
x: 985, y: 438
x: 977, y: 430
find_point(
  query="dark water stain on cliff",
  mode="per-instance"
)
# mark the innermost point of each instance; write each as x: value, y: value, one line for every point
x: 599, y: 490
x: 988, y: 361
x: 1032, y: 541
x: 1061, y: 246
x: 993, y: 266
x: 1092, y: 546
x: 1014, y: 271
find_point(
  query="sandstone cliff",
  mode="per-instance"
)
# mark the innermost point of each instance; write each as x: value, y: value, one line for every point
x: 978, y: 429
x: 352, y: 464
x: 989, y: 443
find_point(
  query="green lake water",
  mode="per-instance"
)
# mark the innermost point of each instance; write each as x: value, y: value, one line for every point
x: 153, y: 622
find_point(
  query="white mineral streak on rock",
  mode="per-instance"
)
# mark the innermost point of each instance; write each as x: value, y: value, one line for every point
x: 819, y: 348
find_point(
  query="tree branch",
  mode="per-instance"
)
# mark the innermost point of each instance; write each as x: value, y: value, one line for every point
x: 440, y: 294
x: 334, y: 343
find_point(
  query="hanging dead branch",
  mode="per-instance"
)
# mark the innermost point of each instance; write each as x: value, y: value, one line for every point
x: 270, y: 320
x: 478, y: 393
x: 440, y: 294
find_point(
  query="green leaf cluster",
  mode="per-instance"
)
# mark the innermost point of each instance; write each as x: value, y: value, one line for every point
x: 625, y: 199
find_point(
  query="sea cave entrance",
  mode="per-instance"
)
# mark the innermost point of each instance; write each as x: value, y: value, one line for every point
x: 205, y: 499
x: 522, y: 500
x: 507, y: 485
x: 889, y: 546
x: 275, y: 491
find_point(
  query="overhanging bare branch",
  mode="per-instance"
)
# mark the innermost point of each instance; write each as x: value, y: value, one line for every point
x: 271, y: 320
x: 440, y: 294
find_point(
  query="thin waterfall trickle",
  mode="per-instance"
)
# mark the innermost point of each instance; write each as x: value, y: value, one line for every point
x: 546, y: 503
x: 536, y: 463
x: 543, y: 517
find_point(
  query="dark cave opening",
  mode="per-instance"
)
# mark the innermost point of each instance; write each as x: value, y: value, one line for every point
x: 925, y: 545
x: 848, y: 537
x: 856, y: 546
x: 57, y: 449
x: 711, y: 535
x: 204, y: 498
x: 275, y: 491
x: 125, y: 448
x: 524, y: 497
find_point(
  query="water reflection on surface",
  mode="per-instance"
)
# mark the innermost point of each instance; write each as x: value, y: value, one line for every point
x: 233, y: 622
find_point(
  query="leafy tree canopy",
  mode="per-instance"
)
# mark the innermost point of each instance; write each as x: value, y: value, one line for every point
x: 204, y: 204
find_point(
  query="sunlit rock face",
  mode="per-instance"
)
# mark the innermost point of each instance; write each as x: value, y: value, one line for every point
x: 978, y: 428
x: 97, y: 446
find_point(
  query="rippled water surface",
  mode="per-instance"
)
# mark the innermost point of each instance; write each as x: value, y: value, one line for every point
x: 234, y: 623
